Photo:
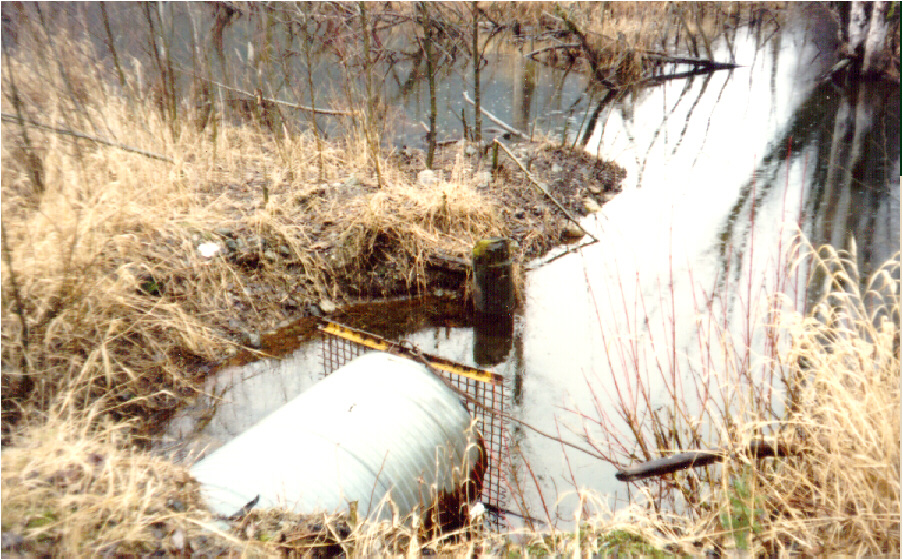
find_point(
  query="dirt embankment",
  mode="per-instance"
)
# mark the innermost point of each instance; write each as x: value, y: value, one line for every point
x: 169, y: 263
x: 412, y: 237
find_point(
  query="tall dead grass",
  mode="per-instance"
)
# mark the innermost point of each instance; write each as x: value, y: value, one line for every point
x: 833, y: 398
x: 841, y: 495
x: 76, y: 488
x: 113, y: 300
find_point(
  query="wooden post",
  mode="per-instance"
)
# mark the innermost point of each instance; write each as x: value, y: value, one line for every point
x: 493, y: 280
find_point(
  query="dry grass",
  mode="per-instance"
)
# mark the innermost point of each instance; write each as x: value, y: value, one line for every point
x: 839, y: 368
x: 76, y: 489
x: 841, y: 496
x: 117, y: 302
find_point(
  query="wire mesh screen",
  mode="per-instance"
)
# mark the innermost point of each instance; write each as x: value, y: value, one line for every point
x: 483, y: 393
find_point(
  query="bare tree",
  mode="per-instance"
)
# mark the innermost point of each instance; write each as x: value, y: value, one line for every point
x: 370, y: 132
x: 427, y: 25
x: 477, y: 58
x: 866, y: 31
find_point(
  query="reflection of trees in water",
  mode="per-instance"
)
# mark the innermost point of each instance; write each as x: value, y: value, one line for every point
x: 849, y: 145
x: 859, y: 197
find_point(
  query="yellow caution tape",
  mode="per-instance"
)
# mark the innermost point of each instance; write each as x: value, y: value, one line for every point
x: 467, y: 371
x: 364, y: 339
x: 378, y: 343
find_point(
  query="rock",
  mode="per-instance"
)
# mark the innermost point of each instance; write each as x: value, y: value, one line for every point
x: 283, y: 250
x: 484, y: 179
x: 571, y: 230
x: 608, y: 196
x: 270, y: 254
x: 256, y: 242
x: 470, y: 150
x: 520, y: 214
x: 11, y: 540
x: 555, y: 169
x: 352, y: 181
x: 427, y: 178
x: 224, y: 232
x: 231, y: 245
x: 327, y: 306
x: 251, y: 339
x: 590, y: 205
x: 175, y: 505
x: 595, y: 189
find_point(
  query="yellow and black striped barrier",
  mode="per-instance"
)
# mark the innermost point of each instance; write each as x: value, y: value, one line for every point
x: 379, y: 343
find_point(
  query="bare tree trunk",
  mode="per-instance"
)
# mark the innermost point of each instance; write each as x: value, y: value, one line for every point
x: 859, y: 23
x: 223, y: 17
x: 431, y: 79
x: 477, y: 59
x: 370, y: 133
x: 867, y: 35
x: 875, y: 58
x: 306, y: 40
x: 111, y: 43
x: 168, y: 74
x: 697, y: 12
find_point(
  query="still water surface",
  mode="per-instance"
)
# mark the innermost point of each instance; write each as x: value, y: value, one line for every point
x: 724, y: 170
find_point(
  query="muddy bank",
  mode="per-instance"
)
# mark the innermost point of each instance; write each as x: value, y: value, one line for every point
x: 390, y: 266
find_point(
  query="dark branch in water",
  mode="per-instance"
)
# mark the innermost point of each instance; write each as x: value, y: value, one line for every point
x: 691, y: 459
x: 552, y: 48
x: 699, y: 63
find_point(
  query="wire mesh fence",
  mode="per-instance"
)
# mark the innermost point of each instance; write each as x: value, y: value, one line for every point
x: 481, y: 391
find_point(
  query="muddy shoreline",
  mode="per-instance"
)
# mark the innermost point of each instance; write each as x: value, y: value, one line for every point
x: 578, y: 181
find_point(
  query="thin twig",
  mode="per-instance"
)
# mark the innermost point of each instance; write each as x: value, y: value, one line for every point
x: 332, y: 112
x: 18, y: 307
x: 496, y: 120
x: 552, y: 48
x: 541, y: 263
x: 12, y: 118
x: 544, y: 190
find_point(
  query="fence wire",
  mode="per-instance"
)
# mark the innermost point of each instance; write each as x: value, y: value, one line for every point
x: 483, y: 394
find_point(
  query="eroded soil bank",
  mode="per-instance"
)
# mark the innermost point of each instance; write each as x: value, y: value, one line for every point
x: 371, y: 260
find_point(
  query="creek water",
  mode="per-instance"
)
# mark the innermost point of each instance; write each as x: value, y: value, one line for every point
x: 724, y: 170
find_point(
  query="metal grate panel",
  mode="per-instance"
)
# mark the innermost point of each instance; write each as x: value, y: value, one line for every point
x: 482, y: 392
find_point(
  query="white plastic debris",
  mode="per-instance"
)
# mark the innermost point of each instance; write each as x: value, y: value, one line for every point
x: 209, y: 249
x: 477, y: 509
x: 427, y: 178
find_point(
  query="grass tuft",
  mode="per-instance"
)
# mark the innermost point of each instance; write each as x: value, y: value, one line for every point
x: 75, y: 488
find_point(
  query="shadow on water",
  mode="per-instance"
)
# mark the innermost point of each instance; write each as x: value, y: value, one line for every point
x: 723, y: 171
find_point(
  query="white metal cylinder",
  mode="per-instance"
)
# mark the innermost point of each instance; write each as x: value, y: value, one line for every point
x: 379, y: 425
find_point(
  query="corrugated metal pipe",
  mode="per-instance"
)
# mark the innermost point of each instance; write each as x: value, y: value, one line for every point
x: 379, y: 427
